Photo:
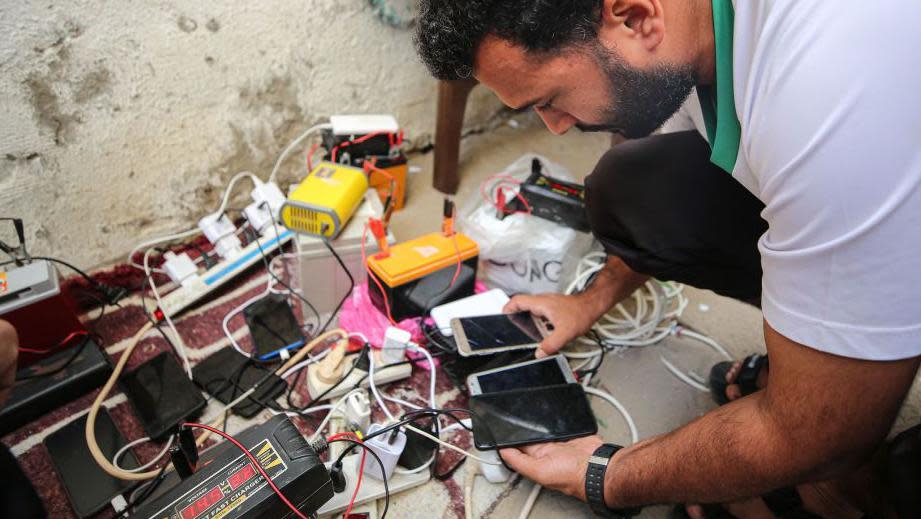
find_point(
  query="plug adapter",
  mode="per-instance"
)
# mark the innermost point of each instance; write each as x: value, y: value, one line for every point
x: 395, y: 342
x: 358, y: 411
x: 268, y: 194
x: 493, y: 473
x: 220, y: 232
x: 388, y: 448
x: 179, y: 267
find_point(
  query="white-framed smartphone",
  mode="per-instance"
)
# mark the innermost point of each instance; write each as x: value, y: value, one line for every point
x: 548, y: 371
x: 488, y: 334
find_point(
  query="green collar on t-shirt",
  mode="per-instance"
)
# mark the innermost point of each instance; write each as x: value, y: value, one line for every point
x: 718, y: 103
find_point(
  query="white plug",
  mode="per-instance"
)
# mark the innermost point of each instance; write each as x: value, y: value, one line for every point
x: 493, y: 473
x: 180, y: 268
x: 258, y: 216
x: 395, y: 342
x: 388, y: 447
x: 220, y: 232
x: 268, y: 193
x: 358, y: 411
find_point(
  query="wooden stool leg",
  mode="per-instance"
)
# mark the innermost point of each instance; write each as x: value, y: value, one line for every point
x: 452, y: 103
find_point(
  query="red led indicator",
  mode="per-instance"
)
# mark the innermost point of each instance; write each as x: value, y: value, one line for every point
x: 203, y: 504
x: 241, y: 476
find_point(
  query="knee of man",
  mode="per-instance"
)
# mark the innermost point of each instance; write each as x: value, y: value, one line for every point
x: 9, y: 344
x: 615, y: 185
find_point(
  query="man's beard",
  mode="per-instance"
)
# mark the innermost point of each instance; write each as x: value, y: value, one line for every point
x: 641, y: 100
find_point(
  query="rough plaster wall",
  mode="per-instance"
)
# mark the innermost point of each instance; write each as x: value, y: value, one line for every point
x: 123, y: 120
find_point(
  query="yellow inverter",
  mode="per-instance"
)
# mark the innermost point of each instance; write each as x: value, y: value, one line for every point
x: 324, y: 201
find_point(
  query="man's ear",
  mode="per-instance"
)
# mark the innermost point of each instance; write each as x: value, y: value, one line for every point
x: 632, y: 25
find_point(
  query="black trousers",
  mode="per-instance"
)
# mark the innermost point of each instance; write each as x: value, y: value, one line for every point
x: 661, y: 206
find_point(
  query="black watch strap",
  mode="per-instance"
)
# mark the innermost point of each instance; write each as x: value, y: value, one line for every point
x: 594, y: 482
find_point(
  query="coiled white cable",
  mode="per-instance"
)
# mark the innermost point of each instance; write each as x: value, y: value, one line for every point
x: 657, y: 307
x: 152, y: 462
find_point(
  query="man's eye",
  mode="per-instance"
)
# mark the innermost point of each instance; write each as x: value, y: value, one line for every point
x: 545, y: 106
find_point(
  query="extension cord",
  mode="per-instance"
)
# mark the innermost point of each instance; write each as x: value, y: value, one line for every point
x: 218, y: 275
x: 365, y: 511
x: 382, y: 376
x: 371, y: 489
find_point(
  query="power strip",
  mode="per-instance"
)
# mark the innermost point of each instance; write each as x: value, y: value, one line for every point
x: 371, y: 489
x: 382, y: 376
x: 218, y: 275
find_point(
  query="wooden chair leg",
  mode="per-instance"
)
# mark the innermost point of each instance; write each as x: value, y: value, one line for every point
x: 452, y: 103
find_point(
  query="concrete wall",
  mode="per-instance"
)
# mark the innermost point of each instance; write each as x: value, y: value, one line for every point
x: 123, y: 120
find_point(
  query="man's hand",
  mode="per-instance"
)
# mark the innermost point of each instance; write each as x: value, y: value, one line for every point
x: 569, y: 315
x: 559, y: 466
x: 9, y: 351
x: 573, y: 316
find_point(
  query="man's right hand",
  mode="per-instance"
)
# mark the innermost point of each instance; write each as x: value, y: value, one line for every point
x: 570, y: 316
x: 573, y: 316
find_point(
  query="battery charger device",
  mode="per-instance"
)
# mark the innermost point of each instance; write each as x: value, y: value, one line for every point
x: 227, y: 485
x: 551, y: 199
x: 323, y: 202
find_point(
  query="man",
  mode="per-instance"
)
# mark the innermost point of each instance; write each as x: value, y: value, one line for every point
x: 9, y: 353
x: 810, y: 112
x: 19, y: 498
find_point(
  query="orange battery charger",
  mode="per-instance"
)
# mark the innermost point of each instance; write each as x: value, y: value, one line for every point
x: 416, y: 275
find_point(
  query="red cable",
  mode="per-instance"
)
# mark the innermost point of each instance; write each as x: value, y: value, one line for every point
x: 364, y: 260
x: 78, y: 333
x: 313, y: 149
x: 359, y: 140
x: 252, y: 458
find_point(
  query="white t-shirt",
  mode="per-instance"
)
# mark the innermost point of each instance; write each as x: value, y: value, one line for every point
x: 828, y: 97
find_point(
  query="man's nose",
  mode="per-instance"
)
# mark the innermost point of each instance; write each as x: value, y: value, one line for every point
x: 557, y: 121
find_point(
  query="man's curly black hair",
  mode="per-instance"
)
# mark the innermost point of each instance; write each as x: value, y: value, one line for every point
x: 449, y: 32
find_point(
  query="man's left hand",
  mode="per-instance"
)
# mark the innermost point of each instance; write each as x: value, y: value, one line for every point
x: 559, y: 466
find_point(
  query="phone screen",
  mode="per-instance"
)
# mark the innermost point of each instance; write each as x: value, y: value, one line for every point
x: 500, y: 331
x: 272, y: 324
x: 545, y: 372
x: 534, y: 415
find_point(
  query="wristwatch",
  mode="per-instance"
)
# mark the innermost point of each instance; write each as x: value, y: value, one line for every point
x: 594, y: 483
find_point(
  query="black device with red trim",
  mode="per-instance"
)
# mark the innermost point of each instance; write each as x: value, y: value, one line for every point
x: 226, y: 483
x: 551, y: 199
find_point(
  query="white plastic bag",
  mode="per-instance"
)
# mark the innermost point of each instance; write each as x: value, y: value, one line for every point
x: 522, y: 254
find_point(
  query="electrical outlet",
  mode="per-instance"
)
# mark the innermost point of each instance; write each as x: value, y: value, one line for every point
x: 383, y: 375
x: 371, y: 489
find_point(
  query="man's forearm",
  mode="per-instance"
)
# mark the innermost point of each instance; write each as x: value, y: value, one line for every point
x: 820, y: 413
x: 613, y: 283
x: 695, y: 464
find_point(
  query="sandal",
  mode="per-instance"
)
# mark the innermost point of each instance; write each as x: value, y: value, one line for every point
x: 748, y: 376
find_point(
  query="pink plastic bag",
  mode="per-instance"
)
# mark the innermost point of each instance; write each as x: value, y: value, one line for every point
x: 359, y: 315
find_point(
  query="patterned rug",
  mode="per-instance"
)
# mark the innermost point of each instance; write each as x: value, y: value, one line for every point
x: 201, y: 329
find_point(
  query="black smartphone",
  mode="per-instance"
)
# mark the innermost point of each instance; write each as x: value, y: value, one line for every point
x: 488, y: 334
x: 88, y: 488
x: 273, y: 326
x: 533, y: 415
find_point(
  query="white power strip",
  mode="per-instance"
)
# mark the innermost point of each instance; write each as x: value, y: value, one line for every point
x: 218, y: 275
x: 383, y: 375
x: 371, y: 489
